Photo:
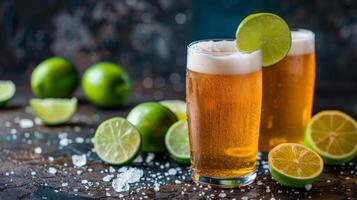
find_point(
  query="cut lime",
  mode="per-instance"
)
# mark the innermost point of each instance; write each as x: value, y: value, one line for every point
x: 333, y: 135
x: 117, y: 141
x: 294, y: 165
x: 7, y: 91
x: 176, y: 106
x: 177, y: 143
x: 267, y: 32
x: 152, y: 120
x: 54, y: 111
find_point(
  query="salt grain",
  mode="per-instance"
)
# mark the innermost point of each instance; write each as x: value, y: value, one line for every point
x: 84, y: 181
x: 26, y: 123
x: 79, y: 140
x: 33, y: 173
x: 150, y: 157
x: 308, y: 187
x: 222, y: 195
x: 108, y: 178
x: 52, y: 170
x: 51, y: 159
x: 138, y: 159
x: 244, y: 198
x: 38, y: 150
x: 111, y: 169
x: 64, y: 184
x: 172, y: 171
x: 79, y: 160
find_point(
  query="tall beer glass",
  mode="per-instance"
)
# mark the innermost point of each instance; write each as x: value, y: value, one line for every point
x: 223, y: 93
x: 288, y: 89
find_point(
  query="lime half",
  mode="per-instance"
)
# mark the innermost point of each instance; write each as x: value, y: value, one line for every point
x: 117, y: 141
x: 177, y: 142
x: 54, y: 111
x: 333, y: 135
x: 176, y: 106
x: 267, y: 32
x: 294, y: 165
x: 7, y: 91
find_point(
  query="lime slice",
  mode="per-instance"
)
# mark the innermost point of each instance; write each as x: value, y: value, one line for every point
x: 267, y: 32
x: 177, y: 142
x: 7, y: 91
x: 333, y: 135
x: 294, y: 165
x: 176, y: 106
x: 117, y: 141
x: 54, y: 111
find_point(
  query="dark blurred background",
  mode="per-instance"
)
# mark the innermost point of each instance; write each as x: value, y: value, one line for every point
x: 149, y: 38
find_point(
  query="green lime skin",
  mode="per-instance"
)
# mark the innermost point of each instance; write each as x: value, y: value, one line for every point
x: 290, y: 182
x: 54, y: 78
x: 152, y: 120
x: 106, y: 84
x: 327, y: 160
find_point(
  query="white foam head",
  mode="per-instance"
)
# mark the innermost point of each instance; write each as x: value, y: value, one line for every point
x: 303, y: 42
x: 221, y: 57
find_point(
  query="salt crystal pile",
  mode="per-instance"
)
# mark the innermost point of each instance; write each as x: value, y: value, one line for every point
x: 131, y: 175
x: 79, y: 160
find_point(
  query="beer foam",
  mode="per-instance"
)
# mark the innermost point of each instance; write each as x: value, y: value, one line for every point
x: 303, y: 42
x: 221, y: 57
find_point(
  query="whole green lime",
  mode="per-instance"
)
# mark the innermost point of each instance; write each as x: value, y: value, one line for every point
x: 54, y: 78
x: 106, y: 84
x: 152, y: 120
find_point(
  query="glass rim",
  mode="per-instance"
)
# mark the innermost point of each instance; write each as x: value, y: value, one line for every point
x: 190, y: 49
x: 308, y: 32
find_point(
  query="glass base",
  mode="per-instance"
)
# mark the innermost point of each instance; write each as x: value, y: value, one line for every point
x: 232, y: 182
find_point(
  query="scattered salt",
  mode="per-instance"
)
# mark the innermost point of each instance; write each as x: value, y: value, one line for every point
x: 108, y: 178
x: 84, y: 181
x: 178, y: 182
x: 52, y: 170
x: 63, y: 142
x: 244, y: 198
x: 131, y: 175
x: 79, y: 160
x: 172, y: 171
x: 222, y: 195
x: 122, y: 169
x: 138, y: 159
x: 149, y: 157
x: 308, y: 187
x: 79, y: 140
x: 38, y: 121
x: 111, y: 169
x: 26, y: 123
x: 33, y: 173
x: 64, y: 184
x: 259, y: 183
x: 38, y: 150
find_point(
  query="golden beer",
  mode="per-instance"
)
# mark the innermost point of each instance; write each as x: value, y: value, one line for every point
x: 288, y: 89
x: 223, y: 93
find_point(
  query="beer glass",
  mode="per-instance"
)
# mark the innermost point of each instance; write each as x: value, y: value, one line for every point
x: 223, y: 93
x: 288, y: 89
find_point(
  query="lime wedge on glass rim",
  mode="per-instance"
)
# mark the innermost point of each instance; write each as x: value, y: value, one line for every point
x: 267, y: 32
x: 333, y: 135
x: 54, y: 111
x: 177, y: 143
x: 117, y: 141
x: 294, y: 165
x: 176, y: 106
x: 7, y: 91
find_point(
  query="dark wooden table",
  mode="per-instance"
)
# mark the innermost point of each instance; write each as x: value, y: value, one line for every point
x: 24, y: 169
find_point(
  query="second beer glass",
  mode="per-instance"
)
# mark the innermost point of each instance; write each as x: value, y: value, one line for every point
x: 224, y: 94
x: 288, y: 89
